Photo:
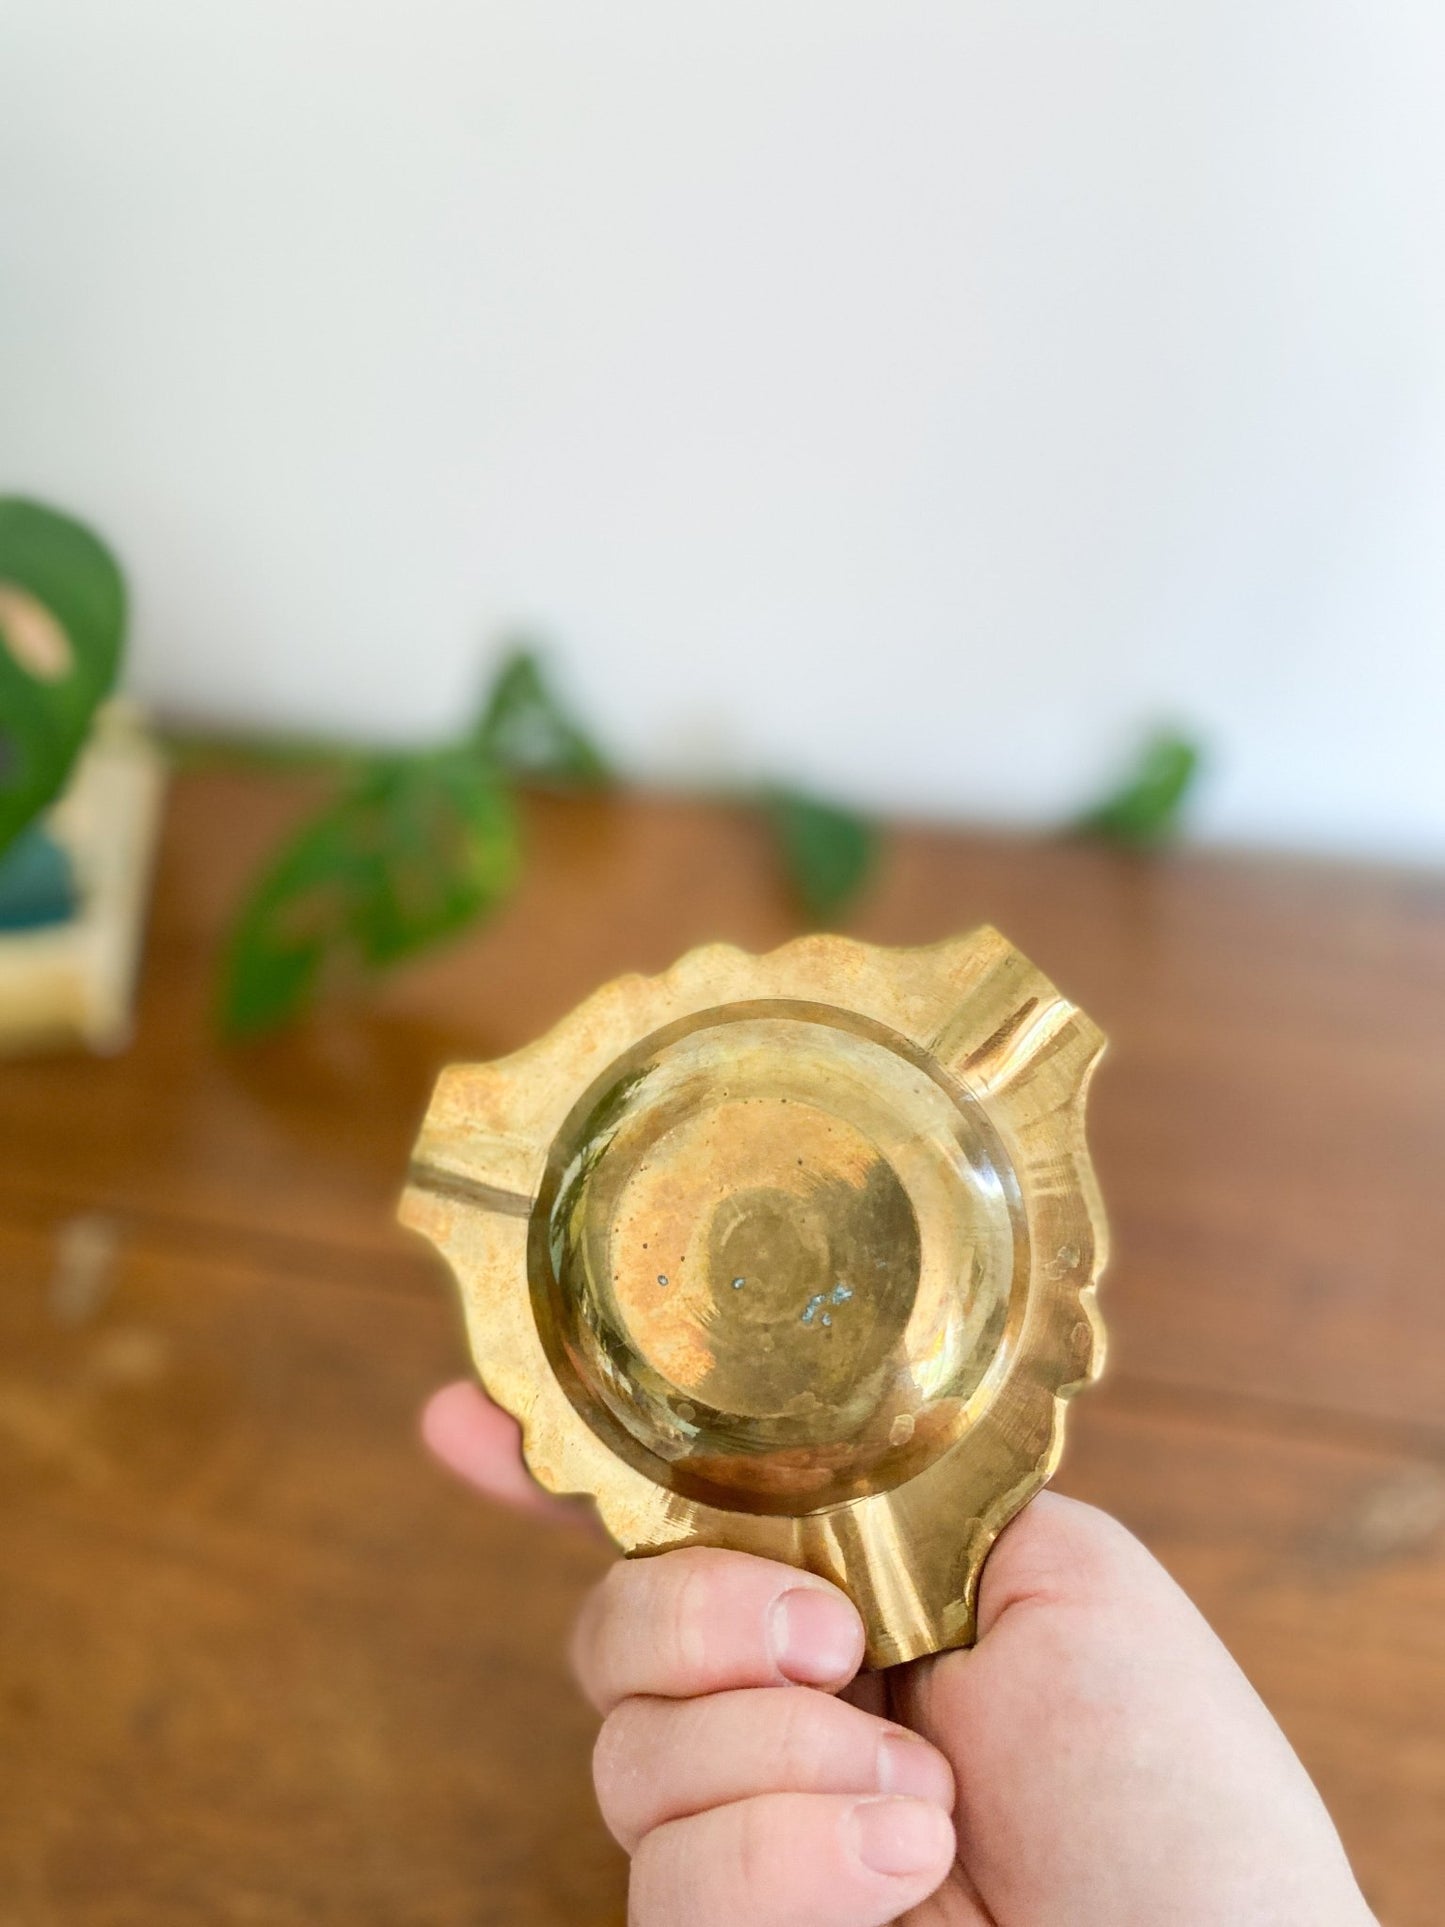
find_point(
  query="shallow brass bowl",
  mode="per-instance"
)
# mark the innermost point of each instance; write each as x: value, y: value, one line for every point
x: 792, y: 1253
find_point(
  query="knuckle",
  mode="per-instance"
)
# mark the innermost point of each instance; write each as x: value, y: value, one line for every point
x: 609, y: 1747
x: 610, y: 1596
x: 1069, y: 1548
x: 801, y: 1736
x: 648, y: 1904
x: 674, y: 1624
x: 614, y: 1772
x: 676, y: 1592
x: 582, y: 1646
x: 594, y: 1646
x: 670, y: 1595
x: 758, y: 1857
x: 690, y: 1621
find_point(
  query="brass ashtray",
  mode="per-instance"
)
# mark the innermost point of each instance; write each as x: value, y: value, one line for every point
x: 793, y: 1253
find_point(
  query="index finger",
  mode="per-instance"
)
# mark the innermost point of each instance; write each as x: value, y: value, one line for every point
x: 678, y: 1624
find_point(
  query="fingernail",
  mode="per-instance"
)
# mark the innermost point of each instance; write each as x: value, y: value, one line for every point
x: 814, y: 1636
x: 907, y: 1764
x: 900, y: 1836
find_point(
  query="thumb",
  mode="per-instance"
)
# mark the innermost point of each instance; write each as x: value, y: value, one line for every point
x: 482, y: 1444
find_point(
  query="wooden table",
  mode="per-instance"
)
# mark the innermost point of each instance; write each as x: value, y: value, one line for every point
x: 259, y: 1662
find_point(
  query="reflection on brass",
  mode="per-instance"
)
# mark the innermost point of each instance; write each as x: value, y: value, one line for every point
x: 793, y: 1253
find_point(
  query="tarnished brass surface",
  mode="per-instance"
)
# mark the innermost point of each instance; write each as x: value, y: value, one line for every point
x: 792, y: 1253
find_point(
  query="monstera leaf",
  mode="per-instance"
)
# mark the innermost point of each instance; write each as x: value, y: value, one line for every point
x: 62, y: 620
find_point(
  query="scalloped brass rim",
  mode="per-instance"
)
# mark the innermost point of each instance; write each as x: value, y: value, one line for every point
x: 910, y: 1555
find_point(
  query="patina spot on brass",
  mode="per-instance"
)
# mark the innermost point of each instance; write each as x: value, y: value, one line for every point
x: 790, y: 1253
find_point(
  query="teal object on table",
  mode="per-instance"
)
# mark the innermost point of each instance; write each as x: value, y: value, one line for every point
x: 37, y: 882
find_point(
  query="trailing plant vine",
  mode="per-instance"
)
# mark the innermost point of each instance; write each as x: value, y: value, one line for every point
x: 413, y: 846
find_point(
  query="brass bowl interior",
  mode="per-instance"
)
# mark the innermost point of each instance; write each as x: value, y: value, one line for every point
x: 778, y: 1258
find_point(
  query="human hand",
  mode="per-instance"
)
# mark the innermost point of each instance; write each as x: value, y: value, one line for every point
x: 1097, y: 1760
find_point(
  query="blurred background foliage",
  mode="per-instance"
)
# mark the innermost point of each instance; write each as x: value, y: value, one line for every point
x: 62, y: 629
x: 413, y: 845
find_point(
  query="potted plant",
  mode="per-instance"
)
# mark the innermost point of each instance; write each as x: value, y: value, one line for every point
x: 79, y: 787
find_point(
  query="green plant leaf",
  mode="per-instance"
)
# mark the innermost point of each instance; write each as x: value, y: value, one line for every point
x: 828, y: 851
x: 62, y: 620
x: 408, y: 854
x: 1149, y: 805
x: 526, y: 729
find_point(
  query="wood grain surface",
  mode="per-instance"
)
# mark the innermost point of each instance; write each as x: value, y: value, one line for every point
x: 260, y: 1663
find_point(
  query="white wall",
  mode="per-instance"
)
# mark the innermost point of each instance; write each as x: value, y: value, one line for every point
x: 916, y: 395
